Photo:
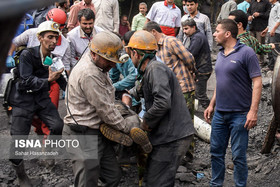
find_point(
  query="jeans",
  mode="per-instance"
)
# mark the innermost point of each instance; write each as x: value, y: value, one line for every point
x: 273, y: 55
x: 227, y: 125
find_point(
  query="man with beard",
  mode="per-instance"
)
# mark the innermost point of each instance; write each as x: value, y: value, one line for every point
x: 80, y: 36
x: 236, y: 101
x: 201, y: 20
x: 90, y: 101
x: 74, y: 11
x: 30, y: 94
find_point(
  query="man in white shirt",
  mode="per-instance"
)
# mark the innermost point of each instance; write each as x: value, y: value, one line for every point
x: 81, y: 35
x: 107, y: 14
x: 202, y: 22
x: 167, y: 15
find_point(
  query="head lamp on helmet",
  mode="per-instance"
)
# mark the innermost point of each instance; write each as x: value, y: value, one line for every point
x: 108, y: 45
x: 48, y: 26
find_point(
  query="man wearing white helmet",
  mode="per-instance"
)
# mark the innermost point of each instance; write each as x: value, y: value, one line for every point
x: 62, y: 50
x: 30, y: 95
x: 29, y: 38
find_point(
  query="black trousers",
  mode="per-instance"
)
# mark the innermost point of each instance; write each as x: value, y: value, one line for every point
x: 201, y: 89
x: 272, y: 56
x: 22, y: 119
x: 164, y: 161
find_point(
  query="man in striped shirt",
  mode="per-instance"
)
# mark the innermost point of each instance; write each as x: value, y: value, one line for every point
x: 241, y: 19
x: 172, y: 52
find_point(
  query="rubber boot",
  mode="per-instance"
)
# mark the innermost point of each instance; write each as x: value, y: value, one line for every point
x: 115, y: 135
x: 23, y: 179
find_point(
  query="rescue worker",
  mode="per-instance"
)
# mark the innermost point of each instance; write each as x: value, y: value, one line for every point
x: 90, y: 102
x: 62, y: 50
x: 167, y: 118
x: 30, y: 95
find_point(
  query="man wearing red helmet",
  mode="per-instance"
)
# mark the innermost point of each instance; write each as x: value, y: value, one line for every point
x: 62, y: 50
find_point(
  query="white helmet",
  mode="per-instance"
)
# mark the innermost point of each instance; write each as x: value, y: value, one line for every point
x: 48, y: 26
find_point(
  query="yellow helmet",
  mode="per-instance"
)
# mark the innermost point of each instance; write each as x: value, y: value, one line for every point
x: 143, y: 40
x: 108, y: 45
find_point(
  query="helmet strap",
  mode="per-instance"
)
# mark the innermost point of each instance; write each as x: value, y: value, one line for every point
x: 146, y: 55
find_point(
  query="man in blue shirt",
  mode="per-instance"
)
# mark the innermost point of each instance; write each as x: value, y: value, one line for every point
x: 129, y: 73
x: 236, y: 103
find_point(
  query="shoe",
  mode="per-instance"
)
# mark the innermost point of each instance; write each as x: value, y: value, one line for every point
x: 115, y: 135
x: 23, y: 179
x: 141, y: 138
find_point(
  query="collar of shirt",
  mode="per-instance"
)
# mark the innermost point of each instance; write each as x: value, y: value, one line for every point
x: 160, y: 42
x: 94, y: 63
x: 272, y: 5
x: 196, y: 16
x: 37, y: 52
x: 194, y: 33
x: 165, y: 4
x: 83, y: 34
x: 245, y: 34
x: 234, y: 48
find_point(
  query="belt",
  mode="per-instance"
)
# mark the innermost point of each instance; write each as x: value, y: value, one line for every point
x: 82, y: 129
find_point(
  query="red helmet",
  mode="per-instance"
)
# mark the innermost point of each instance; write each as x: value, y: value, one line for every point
x: 57, y: 15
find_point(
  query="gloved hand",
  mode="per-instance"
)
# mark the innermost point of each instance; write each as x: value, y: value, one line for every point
x: 10, y: 62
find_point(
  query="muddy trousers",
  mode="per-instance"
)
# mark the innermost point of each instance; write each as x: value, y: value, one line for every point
x: 21, y: 122
x: 104, y: 166
x: 189, y: 97
x: 164, y: 161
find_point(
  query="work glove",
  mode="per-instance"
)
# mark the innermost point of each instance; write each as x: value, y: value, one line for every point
x: 10, y: 62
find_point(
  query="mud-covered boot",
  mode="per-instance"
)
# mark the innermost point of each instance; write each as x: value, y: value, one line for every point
x: 23, y: 179
x: 115, y: 135
x: 141, y: 138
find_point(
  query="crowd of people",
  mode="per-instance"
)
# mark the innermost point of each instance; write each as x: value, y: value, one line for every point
x: 135, y: 84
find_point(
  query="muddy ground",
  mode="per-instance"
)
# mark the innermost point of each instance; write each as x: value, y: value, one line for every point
x: 264, y: 170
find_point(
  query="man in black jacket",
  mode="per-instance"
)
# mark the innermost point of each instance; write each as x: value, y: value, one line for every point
x: 29, y: 95
x: 167, y: 119
x: 258, y: 14
x: 199, y: 48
